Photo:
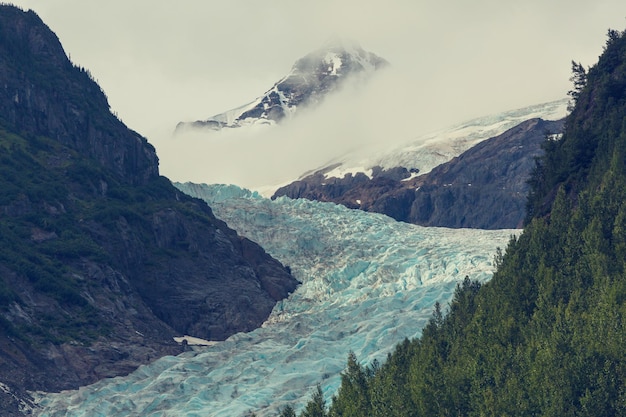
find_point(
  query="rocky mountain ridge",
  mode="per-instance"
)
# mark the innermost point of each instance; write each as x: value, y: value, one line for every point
x: 311, y: 78
x: 485, y: 187
x: 102, y: 260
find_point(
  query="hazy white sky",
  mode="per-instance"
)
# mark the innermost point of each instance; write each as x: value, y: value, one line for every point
x: 161, y: 62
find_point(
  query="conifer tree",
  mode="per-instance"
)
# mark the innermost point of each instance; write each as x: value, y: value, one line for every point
x: 288, y: 411
x: 317, y: 406
x: 579, y: 79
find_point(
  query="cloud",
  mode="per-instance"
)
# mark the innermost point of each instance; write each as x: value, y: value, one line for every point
x: 380, y: 112
x: 162, y: 62
x: 354, y: 117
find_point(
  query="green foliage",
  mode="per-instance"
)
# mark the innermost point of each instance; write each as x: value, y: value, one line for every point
x: 579, y: 80
x: 353, y: 398
x: 594, y: 129
x: 317, y: 406
x: 288, y: 411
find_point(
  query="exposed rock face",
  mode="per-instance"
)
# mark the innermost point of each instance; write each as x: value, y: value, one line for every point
x: 485, y: 187
x: 56, y: 100
x: 353, y: 191
x: 102, y: 261
x: 310, y: 80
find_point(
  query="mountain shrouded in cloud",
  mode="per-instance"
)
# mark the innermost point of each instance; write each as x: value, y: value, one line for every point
x: 484, y: 187
x: 163, y: 64
x: 311, y: 78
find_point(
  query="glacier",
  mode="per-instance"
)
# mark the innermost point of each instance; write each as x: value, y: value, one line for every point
x: 368, y: 282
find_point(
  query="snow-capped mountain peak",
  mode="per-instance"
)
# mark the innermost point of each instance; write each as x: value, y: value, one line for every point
x: 311, y: 78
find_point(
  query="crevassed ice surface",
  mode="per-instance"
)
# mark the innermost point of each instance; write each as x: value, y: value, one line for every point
x: 368, y: 282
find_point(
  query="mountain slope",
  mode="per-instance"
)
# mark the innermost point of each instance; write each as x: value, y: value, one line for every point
x: 311, y: 78
x: 484, y: 187
x: 102, y: 261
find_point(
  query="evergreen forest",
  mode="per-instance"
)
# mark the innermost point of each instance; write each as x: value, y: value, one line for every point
x: 547, y: 335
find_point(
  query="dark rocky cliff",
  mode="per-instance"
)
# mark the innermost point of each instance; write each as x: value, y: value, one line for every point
x: 485, y: 187
x: 102, y: 261
x: 42, y: 93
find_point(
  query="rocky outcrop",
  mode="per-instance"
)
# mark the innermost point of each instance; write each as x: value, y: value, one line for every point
x: 53, y: 98
x: 102, y: 261
x: 485, y: 187
x: 312, y: 78
x: 353, y: 190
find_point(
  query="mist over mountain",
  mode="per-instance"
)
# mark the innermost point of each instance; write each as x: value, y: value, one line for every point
x: 310, y: 80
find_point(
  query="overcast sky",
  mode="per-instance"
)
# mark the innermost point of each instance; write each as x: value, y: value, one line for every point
x: 161, y: 62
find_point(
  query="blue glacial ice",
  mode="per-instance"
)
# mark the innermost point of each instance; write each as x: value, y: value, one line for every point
x: 368, y: 282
